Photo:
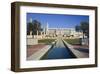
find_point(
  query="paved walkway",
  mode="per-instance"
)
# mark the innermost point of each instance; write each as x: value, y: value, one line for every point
x: 36, y: 52
x: 34, y: 48
x: 79, y: 51
x: 81, y: 48
x: 59, y: 51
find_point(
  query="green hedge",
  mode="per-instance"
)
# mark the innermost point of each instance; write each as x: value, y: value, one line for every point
x: 46, y: 41
x: 73, y: 41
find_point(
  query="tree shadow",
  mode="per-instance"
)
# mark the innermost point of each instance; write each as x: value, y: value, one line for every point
x: 83, y: 50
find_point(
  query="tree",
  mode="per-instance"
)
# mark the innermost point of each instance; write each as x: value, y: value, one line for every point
x: 77, y: 28
x: 34, y: 27
x: 37, y: 27
x: 85, y: 28
x: 29, y: 28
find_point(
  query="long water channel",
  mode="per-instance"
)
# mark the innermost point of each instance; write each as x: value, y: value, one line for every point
x: 59, y: 51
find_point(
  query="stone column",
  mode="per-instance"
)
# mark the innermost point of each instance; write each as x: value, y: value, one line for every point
x: 37, y: 34
x: 30, y: 34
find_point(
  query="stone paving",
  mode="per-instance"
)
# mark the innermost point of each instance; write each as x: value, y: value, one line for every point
x: 35, y: 52
x: 40, y: 53
x: 78, y: 50
x: 81, y: 48
x: 34, y: 48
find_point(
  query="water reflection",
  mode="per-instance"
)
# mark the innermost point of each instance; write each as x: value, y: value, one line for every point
x: 59, y: 53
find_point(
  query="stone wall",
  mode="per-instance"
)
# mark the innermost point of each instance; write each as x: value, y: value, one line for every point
x: 32, y: 41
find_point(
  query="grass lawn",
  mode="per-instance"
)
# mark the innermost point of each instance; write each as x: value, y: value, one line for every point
x: 73, y: 41
x: 46, y: 41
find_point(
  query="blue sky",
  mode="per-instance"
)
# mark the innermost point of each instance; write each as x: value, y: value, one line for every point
x: 58, y: 20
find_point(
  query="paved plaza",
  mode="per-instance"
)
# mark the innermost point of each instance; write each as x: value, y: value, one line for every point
x: 61, y: 50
